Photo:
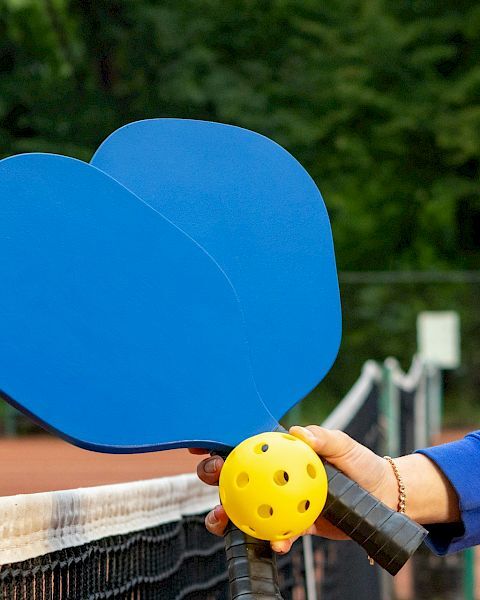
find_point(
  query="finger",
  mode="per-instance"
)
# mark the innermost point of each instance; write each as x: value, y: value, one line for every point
x: 198, y: 451
x: 216, y: 520
x: 283, y: 546
x: 321, y: 527
x: 325, y: 529
x: 209, y: 470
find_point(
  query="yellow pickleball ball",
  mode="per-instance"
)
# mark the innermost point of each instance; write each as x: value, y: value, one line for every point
x: 273, y: 486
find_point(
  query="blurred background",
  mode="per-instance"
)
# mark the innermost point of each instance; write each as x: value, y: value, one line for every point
x: 378, y: 99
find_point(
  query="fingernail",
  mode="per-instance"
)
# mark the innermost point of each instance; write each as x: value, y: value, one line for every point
x: 212, y: 518
x: 211, y: 465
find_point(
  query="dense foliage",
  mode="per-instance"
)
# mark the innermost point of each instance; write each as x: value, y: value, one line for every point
x: 377, y: 98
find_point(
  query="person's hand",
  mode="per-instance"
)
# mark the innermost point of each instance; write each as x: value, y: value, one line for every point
x: 359, y: 463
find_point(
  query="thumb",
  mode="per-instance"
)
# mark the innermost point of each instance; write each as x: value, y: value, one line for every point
x: 331, y: 444
x: 356, y: 461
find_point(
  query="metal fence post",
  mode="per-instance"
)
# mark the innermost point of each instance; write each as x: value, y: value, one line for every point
x: 421, y: 437
x: 434, y: 387
x: 469, y: 574
x: 390, y: 408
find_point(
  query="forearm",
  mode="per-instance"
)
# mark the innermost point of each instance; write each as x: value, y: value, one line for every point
x: 460, y: 463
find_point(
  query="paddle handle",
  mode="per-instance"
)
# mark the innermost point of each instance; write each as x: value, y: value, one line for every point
x: 388, y: 537
x: 252, y: 569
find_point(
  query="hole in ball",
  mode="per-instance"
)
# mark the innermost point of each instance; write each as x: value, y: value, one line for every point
x: 287, y: 533
x: 311, y: 471
x: 281, y: 478
x: 242, y: 480
x: 261, y: 448
x: 303, y: 506
x: 265, y: 511
x: 251, y: 528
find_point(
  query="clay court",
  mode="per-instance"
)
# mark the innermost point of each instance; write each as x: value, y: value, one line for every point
x: 41, y: 463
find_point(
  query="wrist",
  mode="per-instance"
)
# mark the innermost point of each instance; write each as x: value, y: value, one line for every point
x: 402, y: 498
x: 390, y: 493
x: 430, y: 496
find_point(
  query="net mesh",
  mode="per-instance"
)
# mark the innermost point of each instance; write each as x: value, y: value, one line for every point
x: 174, y: 560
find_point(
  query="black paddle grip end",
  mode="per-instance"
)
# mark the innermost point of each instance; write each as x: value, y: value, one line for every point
x: 252, y: 570
x: 389, y: 537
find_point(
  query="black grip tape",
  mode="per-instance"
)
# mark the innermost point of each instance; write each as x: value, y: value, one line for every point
x: 389, y: 537
x: 252, y: 569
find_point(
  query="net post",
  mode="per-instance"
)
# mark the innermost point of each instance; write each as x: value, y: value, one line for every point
x: 10, y: 420
x: 421, y: 434
x: 390, y: 408
x: 434, y: 387
x: 469, y: 574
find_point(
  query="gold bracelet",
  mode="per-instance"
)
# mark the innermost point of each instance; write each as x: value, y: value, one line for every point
x: 402, y: 496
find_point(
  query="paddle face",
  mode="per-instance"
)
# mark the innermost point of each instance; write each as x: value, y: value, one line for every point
x: 252, y: 206
x: 118, y: 331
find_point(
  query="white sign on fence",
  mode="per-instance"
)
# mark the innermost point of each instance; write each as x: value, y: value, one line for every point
x: 438, y: 337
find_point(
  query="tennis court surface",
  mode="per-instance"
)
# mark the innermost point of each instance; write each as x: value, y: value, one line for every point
x: 41, y: 463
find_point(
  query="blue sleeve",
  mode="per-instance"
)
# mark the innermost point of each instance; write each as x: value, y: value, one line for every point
x: 460, y: 462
